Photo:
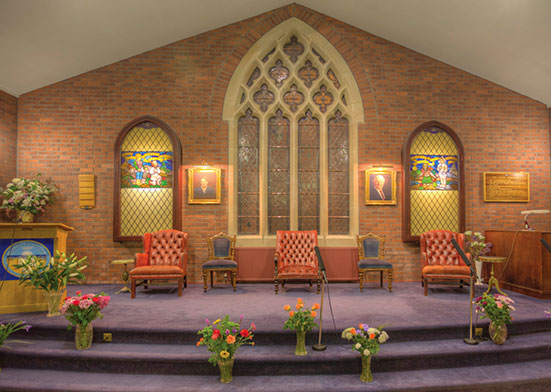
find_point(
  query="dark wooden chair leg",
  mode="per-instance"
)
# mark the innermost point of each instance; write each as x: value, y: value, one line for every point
x: 276, y: 283
x: 233, y: 279
x: 319, y: 286
x: 211, y: 278
x: 133, y: 290
x: 426, y: 285
x: 390, y: 274
x: 180, y: 285
x: 205, y: 279
x: 380, y: 278
x: 185, y: 282
x: 361, y: 277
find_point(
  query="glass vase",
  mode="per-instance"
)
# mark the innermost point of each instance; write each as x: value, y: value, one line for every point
x: 366, y: 375
x: 226, y: 370
x: 84, y: 336
x: 53, y: 299
x: 23, y: 216
x: 498, y: 333
x: 300, y: 349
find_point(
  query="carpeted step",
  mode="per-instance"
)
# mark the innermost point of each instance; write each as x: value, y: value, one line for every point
x: 530, y: 376
x: 271, y: 360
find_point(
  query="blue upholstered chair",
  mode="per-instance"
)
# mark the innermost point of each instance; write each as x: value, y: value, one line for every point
x: 371, y: 252
x: 221, y: 258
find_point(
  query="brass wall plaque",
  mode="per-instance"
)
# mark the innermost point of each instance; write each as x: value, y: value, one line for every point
x: 507, y: 187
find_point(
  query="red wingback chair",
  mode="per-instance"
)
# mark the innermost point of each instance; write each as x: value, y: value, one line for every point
x: 164, y: 257
x: 440, y: 260
x: 295, y: 258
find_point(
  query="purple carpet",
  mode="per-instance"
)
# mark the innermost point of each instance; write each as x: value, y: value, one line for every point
x: 154, y: 339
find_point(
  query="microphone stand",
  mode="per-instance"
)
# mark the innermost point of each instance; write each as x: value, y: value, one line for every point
x: 319, y: 346
x: 470, y: 339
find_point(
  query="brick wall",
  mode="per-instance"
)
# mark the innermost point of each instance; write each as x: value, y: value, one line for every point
x: 8, y: 140
x: 70, y: 128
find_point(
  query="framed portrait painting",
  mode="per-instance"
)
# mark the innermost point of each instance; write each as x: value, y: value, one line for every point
x: 204, y: 185
x: 380, y: 187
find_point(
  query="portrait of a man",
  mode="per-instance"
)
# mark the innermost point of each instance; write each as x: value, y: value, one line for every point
x: 204, y: 185
x: 380, y: 187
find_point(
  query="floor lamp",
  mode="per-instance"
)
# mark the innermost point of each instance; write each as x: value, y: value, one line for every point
x: 470, y: 339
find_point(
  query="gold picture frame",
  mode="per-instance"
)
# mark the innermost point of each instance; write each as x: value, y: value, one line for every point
x: 380, y: 187
x: 506, y: 187
x: 204, y: 185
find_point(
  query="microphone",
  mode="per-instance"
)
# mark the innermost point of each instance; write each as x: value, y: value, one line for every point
x: 322, y: 265
x: 546, y: 244
x: 462, y: 254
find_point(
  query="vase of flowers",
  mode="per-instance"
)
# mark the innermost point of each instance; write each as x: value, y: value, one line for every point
x: 497, y: 308
x: 367, y: 342
x: 51, y: 276
x: 81, y: 310
x: 6, y: 329
x: 24, y: 198
x: 223, y: 338
x: 477, y: 246
x: 302, y: 321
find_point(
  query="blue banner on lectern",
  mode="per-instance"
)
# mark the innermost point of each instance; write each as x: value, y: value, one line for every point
x: 13, y: 250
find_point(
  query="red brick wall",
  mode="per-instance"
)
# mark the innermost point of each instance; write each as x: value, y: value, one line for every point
x: 70, y: 128
x: 8, y: 140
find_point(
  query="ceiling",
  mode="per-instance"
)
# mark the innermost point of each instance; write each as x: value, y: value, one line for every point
x: 45, y: 41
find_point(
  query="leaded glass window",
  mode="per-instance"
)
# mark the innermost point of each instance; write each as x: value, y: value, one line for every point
x: 296, y: 167
x: 147, y: 159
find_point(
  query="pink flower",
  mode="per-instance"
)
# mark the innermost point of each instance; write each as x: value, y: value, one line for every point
x: 499, y: 305
x: 85, y: 304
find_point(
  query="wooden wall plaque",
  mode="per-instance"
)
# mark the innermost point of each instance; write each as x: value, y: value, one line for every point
x: 506, y: 187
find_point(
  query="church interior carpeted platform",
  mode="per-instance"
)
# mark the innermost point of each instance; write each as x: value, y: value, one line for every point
x: 154, y: 340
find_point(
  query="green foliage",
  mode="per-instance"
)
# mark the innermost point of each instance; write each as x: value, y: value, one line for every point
x: 301, y: 319
x: 52, y: 276
x: 224, y: 337
x: 8, y: 328
x: 495, y: 307
x: 27, y: 195
x: 367, y: 341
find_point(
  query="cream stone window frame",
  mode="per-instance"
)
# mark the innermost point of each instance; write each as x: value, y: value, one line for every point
x: 235, y: 107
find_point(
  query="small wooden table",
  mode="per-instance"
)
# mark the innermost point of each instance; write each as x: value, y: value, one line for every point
x: 125, y: 275
x: 493, y: 260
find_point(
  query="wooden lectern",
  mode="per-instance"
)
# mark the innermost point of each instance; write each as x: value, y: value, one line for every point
x: 528, y: 270
x: 20, y: 240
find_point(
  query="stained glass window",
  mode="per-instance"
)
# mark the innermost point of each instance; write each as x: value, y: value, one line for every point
x: 147, y: 186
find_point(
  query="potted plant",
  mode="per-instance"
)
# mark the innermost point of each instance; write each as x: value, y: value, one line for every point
x: 477, y: 246
x: 223, y: 338
x: 52, y: 277
x: 24, y: 198
x: 81, y: 310
x: 6, y: 329
x: 497, y: 308
x: 367, y: 342
x: 302, y: 321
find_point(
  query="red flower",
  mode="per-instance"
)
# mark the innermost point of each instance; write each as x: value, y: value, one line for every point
x: 76, y: 302
x: 244, y: 333
x: 79, y: 292
x: 95, y: 299
x: 215, y: 334
x: 371, y: 336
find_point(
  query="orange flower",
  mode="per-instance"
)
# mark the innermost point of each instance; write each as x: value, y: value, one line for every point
x: 316, y: 306
x: 353, y: 331
x: 230, y: 339
x: 299, y: 300
x: 287, y: 307
x: 252, y: 344
x: 371, y: 336
x: 198, y: 344
x: 291, y: 313
x: 299, y: 306
x: 313, y: 313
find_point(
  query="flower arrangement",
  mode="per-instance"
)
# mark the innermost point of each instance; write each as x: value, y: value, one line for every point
x: 24, y: 194
x: 495, y: 307
x: 6, y: 329
x: 301, y: 319
x: 366, y: 340
x: 53, y: 276
x: 224, y: 337
x: 83, y: 309
x: 476, y: 244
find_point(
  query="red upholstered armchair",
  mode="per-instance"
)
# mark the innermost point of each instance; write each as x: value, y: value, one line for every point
x: 295, y: 258
x: 164, y: 257
x: 440, y: 260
